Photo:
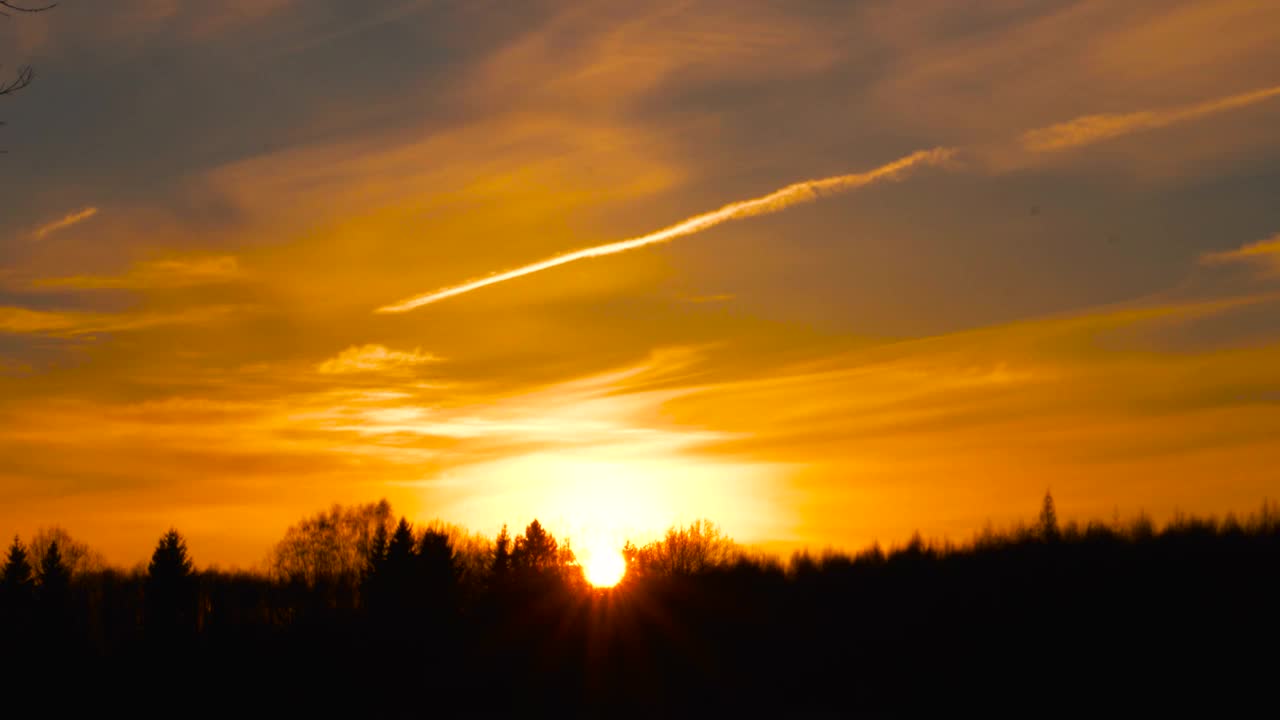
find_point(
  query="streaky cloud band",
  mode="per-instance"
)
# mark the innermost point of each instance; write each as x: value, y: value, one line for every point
x: 801, y: 192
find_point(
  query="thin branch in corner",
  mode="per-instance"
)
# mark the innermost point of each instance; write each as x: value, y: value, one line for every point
x: 8, y: 4
x: 24, y: 77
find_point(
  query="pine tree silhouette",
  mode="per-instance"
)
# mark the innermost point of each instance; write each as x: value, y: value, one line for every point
x: 400, y: 551
x: 170, y: 589
x: 536, y: 550
x: 18, y: 576
x: 377, y: 550
x: 52, y: 596
x: 55, y: 578
x: 436, y: 562
x: 501, y: 564
x: 170, y: 562
x: 397, y: 582
x: 1048, y: 523
x: 17, y: 588
x: 436, y: 580
x: 374, y: 575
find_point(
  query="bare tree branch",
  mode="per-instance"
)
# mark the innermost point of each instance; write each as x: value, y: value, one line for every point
x: 25, y: 74
x: 24, y: 77
x: 22, y: 8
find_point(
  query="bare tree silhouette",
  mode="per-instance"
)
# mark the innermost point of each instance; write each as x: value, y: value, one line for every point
x: 688, y: 550
x: 76, y: 555
x: 332, y: 546
x: 24, y: 74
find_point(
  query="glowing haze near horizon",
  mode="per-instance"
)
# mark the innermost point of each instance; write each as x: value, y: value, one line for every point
x: 1078, y: 289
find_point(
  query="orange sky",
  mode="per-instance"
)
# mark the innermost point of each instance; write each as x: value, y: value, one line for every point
x: 1077, y: 287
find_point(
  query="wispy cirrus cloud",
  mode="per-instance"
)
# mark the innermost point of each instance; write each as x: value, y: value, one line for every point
x: 1264, y: 252
x: 714, y: 298
x: 64, y: 222
x: 1090, y: 129
x: 157, y: 274
x: 374, y: 358
x: 68, y: 323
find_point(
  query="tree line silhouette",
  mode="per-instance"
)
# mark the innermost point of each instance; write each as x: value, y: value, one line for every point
x: 423, y: 617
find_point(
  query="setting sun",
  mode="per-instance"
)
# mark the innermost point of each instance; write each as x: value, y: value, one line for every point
x: 604, y: 568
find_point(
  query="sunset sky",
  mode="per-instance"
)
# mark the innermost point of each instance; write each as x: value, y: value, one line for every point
x: 239, y: 240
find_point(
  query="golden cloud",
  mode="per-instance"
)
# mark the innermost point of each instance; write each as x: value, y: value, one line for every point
x: 157, y: 274
x: 1264, y: 252
x: 374, y: 358
x: 69, y: 323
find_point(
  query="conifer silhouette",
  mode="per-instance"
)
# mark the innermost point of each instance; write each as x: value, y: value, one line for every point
x: 17, y: 588
x: 436, y: 582
x: 400, y: 551
x: 536, y: 550
x: 170, y: 588
x: 170, y: 562
x: 436, y: 562
x: 52, y: 596
x: 18, y: 576
x: 55, y: 578
x: 396, y: 585
x: 377, y: 550
x: 501, y: 564
x: 1048, y: 522
x: 374, y: 575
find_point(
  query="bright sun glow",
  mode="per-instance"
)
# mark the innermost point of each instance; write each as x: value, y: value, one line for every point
x: 606, y: 497
x: 596, y: 501
x: 604, y: 568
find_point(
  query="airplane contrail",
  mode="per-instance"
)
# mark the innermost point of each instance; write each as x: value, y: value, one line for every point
x: 65, y: 222
x: 1085, y: 130
x: 800, y: 192
x: 1090, y: 129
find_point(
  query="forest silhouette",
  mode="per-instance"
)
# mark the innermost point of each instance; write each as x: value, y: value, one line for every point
x: 436, y: 620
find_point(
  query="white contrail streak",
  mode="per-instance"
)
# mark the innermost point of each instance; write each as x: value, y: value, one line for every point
x: 800, y: 192
x: 65, y: 222
x: 1090, y: 129
x: 1081, y: 131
